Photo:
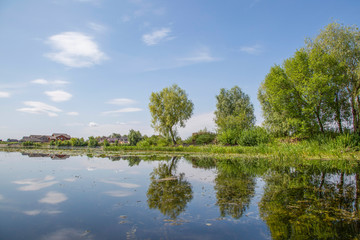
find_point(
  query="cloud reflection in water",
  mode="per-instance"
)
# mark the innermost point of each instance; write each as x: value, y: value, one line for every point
x: 35, y: 184
x: 53, y: 198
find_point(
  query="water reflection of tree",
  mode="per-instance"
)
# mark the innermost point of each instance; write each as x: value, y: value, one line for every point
x: 235, y: 187
x: 168, y: 192
x: 311, y: 204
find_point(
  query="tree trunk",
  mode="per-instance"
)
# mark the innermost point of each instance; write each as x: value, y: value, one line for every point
x: 354, y: 114
x: 338, y: 114
x: 172, y: 136
x: 319, y: 121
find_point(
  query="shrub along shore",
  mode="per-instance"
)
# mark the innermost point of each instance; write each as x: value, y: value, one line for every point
x: 344, y: 146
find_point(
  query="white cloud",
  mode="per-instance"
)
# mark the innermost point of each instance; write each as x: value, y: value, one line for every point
x: 253, y: 50
x: 200, y: 55
x: 39, y: 107
x: 4, y: 94
x: 157, y: 36
x: 123, y: 110
x: 46, y: 82
x: 72, y: 113
x: 58, y: 96
x: 59, y: 82
x: 35, y: 184
x: 198, y: 122
x: 40, y: 81
x: 32, y: 212
x: 121, y: 184
x: 118, y: 193
x: 97, y: 27
x: 121, y: 101
x: 53, y: 198
x: 93, y: 124
x: 75, y: 49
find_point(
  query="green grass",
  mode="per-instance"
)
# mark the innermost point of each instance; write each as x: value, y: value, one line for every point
x: 320, y: 147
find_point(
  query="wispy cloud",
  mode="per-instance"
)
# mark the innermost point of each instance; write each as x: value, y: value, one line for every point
x: 253, y: 50
x: 121, y: 184
x: 4, y: 94
x: 144, y: 7
x: 118, y: 193
x: 157, y: 36
x: 75, y: 49
x: 53, y: 198
x: 121, y: 101
x: 93, y: 124
x: 37, y: 212
x: 35, y: 184
x: 123, y: 110
x: 58, y: 96
x: 97, y: 27
x: 200, y: 55
x: 39, y: 108
x: 42, y: 81
x: 198, y: 122
x: 72, y: 113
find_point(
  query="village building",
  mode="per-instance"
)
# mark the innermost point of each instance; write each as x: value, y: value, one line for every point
x: 60, y: 136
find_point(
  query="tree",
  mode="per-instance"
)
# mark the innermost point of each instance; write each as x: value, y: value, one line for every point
x: 343, y: 42
x: 170, y: 108
x: 134, y: 137
x: 305, y: 95
x: 92, y: 142
x: 234, y: 110
x: 168, y: 192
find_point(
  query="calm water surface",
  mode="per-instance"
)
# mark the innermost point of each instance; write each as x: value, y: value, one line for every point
x: 62, y: 197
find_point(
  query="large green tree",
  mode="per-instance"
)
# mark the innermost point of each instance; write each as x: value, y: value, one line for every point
x: 234, y: 110
x: 170, y: 108
x: 343, y: 42
x: 308, y: 93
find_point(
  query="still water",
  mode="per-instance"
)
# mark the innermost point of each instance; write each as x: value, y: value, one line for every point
x: 80, y: 197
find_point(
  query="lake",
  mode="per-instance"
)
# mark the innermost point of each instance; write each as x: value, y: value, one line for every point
x: 46, y: 196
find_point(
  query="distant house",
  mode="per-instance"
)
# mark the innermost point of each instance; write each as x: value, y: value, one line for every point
x: 36, y: 138
x: 60, y: 136
x: 12, y: 140
x: 124, y: 140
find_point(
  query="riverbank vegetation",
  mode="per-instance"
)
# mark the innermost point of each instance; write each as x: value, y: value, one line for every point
x: 310, y: 104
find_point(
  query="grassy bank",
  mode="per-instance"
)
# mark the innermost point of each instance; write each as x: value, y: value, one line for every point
x: 279, y: 149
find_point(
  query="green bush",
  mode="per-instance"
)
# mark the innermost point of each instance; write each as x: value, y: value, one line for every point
x: 228, y: 137
x: 92, y: 142
x: 253, y: 137
x: 201, y: 138
x: 154, y: 140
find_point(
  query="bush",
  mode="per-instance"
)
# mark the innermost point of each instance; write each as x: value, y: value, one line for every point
x: 201, y: 138
x: 154, y: 140
x: 253, y: 137
x: 228, y: 137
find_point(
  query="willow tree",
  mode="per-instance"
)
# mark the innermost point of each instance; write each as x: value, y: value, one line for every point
x: 234, y: 110
x: 310, y: 91
x: 170, y: 108
x: 343, y: 42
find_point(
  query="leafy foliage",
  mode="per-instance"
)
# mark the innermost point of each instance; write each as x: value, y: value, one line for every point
x: 134, y: 137
x: 170, y: 108
x: 234, y: 110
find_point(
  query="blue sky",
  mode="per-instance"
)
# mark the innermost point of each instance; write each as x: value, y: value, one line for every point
x: 88, y: 67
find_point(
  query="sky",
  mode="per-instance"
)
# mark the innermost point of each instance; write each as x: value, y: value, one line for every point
x: 88, y: 67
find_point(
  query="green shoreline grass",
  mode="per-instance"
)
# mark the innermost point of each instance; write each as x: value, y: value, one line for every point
x: 304, y: 150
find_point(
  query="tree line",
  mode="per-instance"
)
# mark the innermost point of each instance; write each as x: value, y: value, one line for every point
x: 314, y: 91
